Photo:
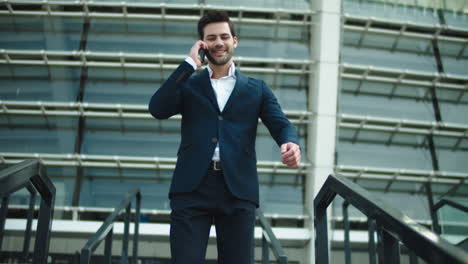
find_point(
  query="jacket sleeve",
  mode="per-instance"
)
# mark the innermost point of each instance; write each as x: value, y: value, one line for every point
x: 275, y: 120
x: 166, y: 101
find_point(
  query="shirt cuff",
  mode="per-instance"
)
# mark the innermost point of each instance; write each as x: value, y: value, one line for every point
x: 190, y: 61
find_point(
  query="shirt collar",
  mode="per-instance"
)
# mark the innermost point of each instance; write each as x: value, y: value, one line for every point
x: 231, y: 72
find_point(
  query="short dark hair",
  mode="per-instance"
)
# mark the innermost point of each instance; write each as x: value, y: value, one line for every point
x: 214, y: 16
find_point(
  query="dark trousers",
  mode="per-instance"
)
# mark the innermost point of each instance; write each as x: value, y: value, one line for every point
x: 193, y: 214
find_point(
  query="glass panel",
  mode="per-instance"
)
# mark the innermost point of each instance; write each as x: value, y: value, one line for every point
x: 401, y: 108
x: 375, y: 155
x: 450, y: 160
x: 382, y: 58
x: 131, y: 137
x: 455, y: 65
x: 390, y: 10
x: 453, y: 222
x: 31, y: 83
x: 458, y: 16
x: 379, y: 137
x: 38, y: 134
x: 124, y: 86
x: 177, y: 38
x: 40, y: 32
x: 137, y: 36
x: 281, y: 199
x: 136, y: 86
x: 109, y: 192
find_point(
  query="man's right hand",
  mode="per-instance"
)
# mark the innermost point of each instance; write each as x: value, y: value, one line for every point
x: 194, y: 52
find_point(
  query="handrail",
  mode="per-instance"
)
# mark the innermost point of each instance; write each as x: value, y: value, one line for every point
x: 391, y: 224
x: 106, y: 232
x: 30, y: 174
x: 441, y: 203
x: 269, y: 240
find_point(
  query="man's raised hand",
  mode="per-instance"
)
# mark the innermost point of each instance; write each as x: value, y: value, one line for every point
x: 194, y: 52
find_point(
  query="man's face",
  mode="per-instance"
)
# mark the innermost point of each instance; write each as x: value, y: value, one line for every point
x: 220, y: 43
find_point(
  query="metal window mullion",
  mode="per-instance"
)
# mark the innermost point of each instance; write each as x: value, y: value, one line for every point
x: 301, y: 115
x: 401, y: 178
x: 138, y: 65
x: 126, y: 163
x: 162, y: 5
x: 403, y: 130
x: 177, y: 18
x: 118, y: 114
x: 363, y: 67
x: 406, y: 122
x: 409, y: 172
x: 400, y: 23
x: 90, y: 55
x: 408, y: 82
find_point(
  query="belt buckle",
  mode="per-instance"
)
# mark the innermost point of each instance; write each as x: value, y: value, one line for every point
x: 216, y: 165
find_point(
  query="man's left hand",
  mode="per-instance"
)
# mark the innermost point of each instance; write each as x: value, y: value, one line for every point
x: 291, y: 154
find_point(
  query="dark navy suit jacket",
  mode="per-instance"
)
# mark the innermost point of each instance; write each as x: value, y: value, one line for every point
x: 204, y: 125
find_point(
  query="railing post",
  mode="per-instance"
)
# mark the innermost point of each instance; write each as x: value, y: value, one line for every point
x: 27, y: 234
x: 136, y: 232
x: 108, y: 247
x: 389, y: 252
x: 413, y: 258
x: 265, y: 252
x: 44, y: 223
x: 3, y: 214
x: 321, y: 232
x: 371, y: 245
x: 283, y: 260
x: 347, y: 245
x: 124, y: 258
x: 85, y: 257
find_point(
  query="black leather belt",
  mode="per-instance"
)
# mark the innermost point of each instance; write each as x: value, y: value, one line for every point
x: 216, y: 165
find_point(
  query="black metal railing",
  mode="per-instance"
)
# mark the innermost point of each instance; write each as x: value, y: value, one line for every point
x: 269, y: 241
x: 443, y: 202
x: 392, y: 228
x: 107, y: 229
x: 30, y: 174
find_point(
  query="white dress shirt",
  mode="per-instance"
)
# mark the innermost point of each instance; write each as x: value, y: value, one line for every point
x: 222, y: 88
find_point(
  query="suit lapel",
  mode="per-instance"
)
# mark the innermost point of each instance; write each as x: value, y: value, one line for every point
x: 208, y: 89
x: 241, y: 82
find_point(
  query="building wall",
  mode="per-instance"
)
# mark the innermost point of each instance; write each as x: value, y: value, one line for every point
x: 75, y: 80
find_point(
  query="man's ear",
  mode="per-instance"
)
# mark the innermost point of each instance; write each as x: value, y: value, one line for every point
x: 235, y: 41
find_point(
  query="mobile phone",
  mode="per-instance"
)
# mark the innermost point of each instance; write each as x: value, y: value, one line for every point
x: 202, y: 54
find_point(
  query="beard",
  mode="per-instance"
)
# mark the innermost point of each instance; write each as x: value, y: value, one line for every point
x: 220, y: 60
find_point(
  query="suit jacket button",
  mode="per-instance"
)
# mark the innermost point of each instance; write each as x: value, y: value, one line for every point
x: 214, y: 140
x: 220, y: 118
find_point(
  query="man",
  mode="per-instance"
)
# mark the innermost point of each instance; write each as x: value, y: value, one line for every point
x: 215, y: 180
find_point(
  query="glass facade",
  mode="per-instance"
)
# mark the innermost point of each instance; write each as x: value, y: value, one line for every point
x: 75, y: 90
x: 403, y: 102
x: 76, y: 77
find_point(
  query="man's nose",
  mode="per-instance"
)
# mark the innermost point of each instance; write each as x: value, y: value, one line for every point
x: 219, y: 42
